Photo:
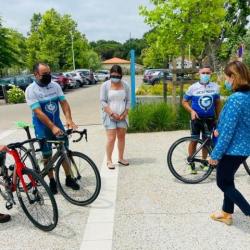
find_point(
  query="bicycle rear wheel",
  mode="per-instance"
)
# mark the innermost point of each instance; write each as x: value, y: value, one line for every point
x: 187, y: 169
x: 84, y: 171
x: 38, y: 203
x: 246, y: 165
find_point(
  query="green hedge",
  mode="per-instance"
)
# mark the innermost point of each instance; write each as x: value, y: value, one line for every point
x: 157, y: 117
x: 15, y: 95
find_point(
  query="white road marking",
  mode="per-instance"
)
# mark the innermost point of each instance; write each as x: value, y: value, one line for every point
x: 98, y: 233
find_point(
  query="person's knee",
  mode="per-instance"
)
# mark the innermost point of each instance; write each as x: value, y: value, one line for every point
x: 111, y: 139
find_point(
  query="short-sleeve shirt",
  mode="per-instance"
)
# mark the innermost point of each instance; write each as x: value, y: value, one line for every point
x: 203, y: 98
x: 47, y: 98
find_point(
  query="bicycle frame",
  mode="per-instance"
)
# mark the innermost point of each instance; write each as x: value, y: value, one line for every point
x: 19, y: 166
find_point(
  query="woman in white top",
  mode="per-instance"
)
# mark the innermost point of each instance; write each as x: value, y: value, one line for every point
x: 115, y: 101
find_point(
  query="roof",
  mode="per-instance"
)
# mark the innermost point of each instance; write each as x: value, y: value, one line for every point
x: 116, y: 60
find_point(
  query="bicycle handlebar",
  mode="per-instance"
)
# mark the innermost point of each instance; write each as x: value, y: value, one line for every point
x: 81, y: 133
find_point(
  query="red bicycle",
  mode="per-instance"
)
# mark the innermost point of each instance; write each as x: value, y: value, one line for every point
x: 33, y: 194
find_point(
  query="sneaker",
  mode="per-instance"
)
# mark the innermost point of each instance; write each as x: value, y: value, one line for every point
x: 70, y: 182
x: 53, y: 186
x: 4, y: 218
x: 204, y: 168
x: 192, y: 169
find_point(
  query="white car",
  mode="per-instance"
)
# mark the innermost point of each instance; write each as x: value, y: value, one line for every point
x: 102, y: 75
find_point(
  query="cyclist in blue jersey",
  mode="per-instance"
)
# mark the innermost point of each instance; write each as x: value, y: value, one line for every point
x: 202, y: 101
x: 45, y: 98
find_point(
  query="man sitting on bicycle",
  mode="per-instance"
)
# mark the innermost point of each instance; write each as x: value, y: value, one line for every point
x: 44, y: 97
x: 205, y: 107
x: 3, y: 217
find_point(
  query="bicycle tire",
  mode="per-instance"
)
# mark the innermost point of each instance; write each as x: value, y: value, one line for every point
x: 39, y: 201
x: 63, y: 189
x: 172, y: 168
x: 246, y: 166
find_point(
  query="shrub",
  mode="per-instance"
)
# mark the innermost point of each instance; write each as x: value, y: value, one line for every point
x: 157, y: 117
x: 15, y: 95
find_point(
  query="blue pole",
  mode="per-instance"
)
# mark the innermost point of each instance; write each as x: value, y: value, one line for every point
x: 132, y: 76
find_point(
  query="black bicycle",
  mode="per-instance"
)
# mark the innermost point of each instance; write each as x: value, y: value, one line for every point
x: 80, y: 167
x: 193, y: 167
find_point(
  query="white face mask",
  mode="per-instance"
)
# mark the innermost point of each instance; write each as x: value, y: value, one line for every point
x: 115, y: 80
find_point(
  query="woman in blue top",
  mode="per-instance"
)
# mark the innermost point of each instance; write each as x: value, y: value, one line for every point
x: 233, y: 145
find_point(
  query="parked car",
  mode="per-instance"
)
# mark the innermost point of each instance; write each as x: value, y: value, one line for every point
x: 154, y: 76
x: 78, y: 77
x: 63, y: 81
x: 5, y: 82
x: 102, y: 75
x: 72, y: 81
x: 21, y: 81
x: 88, y: 74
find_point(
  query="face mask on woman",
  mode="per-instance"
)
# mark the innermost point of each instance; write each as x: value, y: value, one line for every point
x: 115, y: 79
x: 228, y: 85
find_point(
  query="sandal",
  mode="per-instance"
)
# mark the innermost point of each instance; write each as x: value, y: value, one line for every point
x: 123, y: 162
x: 110, y: 165
x: 222, y: 217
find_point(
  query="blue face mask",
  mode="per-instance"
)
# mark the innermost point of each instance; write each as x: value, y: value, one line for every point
x: 115, y: 80
x: 204, y: 78
x: 228, y: 86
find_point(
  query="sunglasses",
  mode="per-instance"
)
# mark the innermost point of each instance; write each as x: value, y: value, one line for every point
x: 116, y: 77
x: 205, y: 73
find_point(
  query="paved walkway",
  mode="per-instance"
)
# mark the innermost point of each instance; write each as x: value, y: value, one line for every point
x: 140, y: 207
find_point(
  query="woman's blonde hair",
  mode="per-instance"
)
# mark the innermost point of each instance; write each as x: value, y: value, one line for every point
x: 241, y: 75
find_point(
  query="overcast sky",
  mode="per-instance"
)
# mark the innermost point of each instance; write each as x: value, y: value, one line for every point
x: 98, y: 19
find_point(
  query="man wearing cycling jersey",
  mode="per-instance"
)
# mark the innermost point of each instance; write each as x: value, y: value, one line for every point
x: 45, y: 98
x: 202, y: 101
x: 3, y: 217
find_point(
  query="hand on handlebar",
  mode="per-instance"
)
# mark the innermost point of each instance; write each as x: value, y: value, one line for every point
x: 71, y: 125
x: 57, y: 131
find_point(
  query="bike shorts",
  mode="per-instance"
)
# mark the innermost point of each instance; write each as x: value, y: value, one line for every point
x: 46, y: 147
x: 197, y: 127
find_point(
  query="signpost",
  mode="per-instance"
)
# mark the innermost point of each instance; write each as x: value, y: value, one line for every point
x: 132, y: 76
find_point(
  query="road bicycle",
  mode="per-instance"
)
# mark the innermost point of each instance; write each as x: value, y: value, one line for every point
x: 193, y: 168
x: 80, y: 167
x: 33, y: 194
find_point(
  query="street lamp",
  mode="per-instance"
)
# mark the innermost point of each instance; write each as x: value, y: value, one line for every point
x: 72, y: 47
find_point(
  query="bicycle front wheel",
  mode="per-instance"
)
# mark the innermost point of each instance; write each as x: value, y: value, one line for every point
x: 246, y: 165
x: 84, y: 172
x: 189, y: 169
x: 38, y: 203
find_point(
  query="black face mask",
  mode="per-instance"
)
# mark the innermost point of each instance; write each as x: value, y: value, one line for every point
x: 45, y: 80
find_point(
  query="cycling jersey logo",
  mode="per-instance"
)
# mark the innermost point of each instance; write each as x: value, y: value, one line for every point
x: 51, y: 107
x: 205, y: 102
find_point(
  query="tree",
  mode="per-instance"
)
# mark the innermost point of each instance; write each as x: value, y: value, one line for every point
x: 12, y: 49
x: 247, y: 48
x: 231, y: 36
x: 50, y: 40
x: 176, y: 24
x: 107, y: 49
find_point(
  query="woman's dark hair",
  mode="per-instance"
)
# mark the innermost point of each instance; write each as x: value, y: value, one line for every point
x: 241, y: 75
x: 116, y: 69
